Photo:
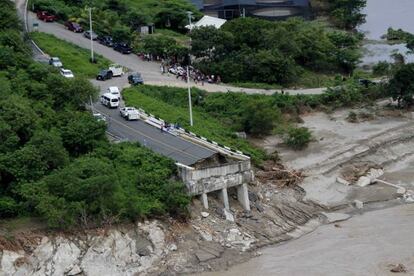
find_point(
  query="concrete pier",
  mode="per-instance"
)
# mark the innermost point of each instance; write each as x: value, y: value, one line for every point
x: 243, y: 196
x: 219, y: 179
x: 225, y: 198
x: 204, y: 199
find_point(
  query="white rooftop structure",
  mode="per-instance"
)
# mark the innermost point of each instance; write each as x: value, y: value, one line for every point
x: 208, y: 21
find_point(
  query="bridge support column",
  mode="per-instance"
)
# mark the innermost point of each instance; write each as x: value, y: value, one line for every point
x: 204, y: 199
x: 243, y: 196
x: 225, y: 198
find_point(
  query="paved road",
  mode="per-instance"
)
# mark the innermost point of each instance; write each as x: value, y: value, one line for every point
x: 149, y: 70
x: 178, y: 149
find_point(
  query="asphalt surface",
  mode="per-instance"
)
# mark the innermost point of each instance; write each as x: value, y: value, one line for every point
x: 149, y: 70
x: 164, y: 143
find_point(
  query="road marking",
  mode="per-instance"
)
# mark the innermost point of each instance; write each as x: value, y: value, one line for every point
x: 153, y: 139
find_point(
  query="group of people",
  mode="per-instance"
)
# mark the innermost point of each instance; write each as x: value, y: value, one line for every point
x: 195, y: 75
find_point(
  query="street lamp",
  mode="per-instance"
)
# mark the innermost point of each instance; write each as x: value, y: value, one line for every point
x: 90, y: 34
x: 189, y: 14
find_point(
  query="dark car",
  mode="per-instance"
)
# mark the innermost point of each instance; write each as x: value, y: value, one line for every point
x: 73, y: 26
x: 135, y: 79
x: 122, y: 48
x: 104, y: 75
x: 106, y: 40
x: 366, y: 83
x: 46, y: 16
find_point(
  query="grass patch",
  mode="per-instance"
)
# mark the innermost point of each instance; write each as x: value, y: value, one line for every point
x: 256, y: 85
x: 72, y: 56
x: 308, y: 79
x: 204, y: 124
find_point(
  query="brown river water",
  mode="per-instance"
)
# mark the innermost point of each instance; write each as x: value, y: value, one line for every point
x: 368, y: 243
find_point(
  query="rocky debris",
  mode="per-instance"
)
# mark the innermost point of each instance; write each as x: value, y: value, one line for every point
x: 228, y: 215
x: 340, y: 180
x: 74, y: 270
x: 277, y: 174
x: 409, y: 196
x: 335, y: 217
x: 370, y: 177
x: 259, y: 207
x: 351, y: 173
x: 400, y: 268
x: 204, y: 256
x: 359, y: 204
x: 204, y: 214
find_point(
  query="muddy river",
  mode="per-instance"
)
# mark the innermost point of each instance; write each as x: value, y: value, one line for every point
x: 370, y: 243
x: 382, y: 14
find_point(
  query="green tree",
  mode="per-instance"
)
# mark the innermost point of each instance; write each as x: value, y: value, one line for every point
x: 347, y: 13
x: 259, y: 118
x: 298, y: 138
x: 401, y: 86
x: 81, y: 133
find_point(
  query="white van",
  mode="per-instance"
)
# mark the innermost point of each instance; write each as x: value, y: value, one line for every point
x: 110, y: 100
x: 114, y: 90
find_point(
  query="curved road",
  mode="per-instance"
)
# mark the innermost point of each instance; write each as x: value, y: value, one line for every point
x: 149, y: 70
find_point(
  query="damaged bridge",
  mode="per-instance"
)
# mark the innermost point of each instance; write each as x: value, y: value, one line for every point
x: 203, y: 165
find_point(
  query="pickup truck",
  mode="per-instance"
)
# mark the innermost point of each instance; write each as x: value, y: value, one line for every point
x: 129, y: 113
x: 46, y: 16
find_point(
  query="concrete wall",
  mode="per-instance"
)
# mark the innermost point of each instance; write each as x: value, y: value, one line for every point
x: 199, y: 181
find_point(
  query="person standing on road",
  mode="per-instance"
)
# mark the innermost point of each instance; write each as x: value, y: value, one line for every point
x: 162, y: 127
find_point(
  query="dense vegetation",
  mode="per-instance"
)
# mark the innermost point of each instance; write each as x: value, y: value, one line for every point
x: 55, y: 160
x: 72, y: 56
x: 400, y: 36
x: 121, y: 18
x: 401, y: 85
x: 254, y: 50
x: 346, y: 14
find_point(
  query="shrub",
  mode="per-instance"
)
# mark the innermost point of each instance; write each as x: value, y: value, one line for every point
x: 352, y: 117
x: 298, y: 138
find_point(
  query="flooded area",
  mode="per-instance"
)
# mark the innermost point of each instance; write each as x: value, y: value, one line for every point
x: 382, y: 14
x: 367, y: 244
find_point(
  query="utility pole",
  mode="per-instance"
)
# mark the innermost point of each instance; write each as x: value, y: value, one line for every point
x: 90, y: 32
x: 189, y: 14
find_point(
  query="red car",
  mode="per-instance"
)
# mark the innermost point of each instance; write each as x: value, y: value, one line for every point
x: 73, y: 26
x: 46, y: 16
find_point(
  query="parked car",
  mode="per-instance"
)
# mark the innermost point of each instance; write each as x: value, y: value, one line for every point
x: 55, y: 61
x: 135, y: 79
x: 117, y: 70
x: 66, y: 73
x: 114, y: 90
x: 122, y: 48
x: 104, y: 75
x: 46, y: 16
x: 106, y: 40
x: 88, y: 35
x: 366, y: 83
x: 73, y: 26
x: 99, y: 117
x: 129, y: 113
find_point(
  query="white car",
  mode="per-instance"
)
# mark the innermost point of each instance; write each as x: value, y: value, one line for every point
x: 117, y: 70
x: 99, y: 117
x: 114, y: 90
x: 55, y: 61
x: 129, y: 113
x: 66, y: 73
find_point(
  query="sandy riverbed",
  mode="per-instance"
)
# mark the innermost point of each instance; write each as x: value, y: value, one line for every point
x: 365, y: 245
